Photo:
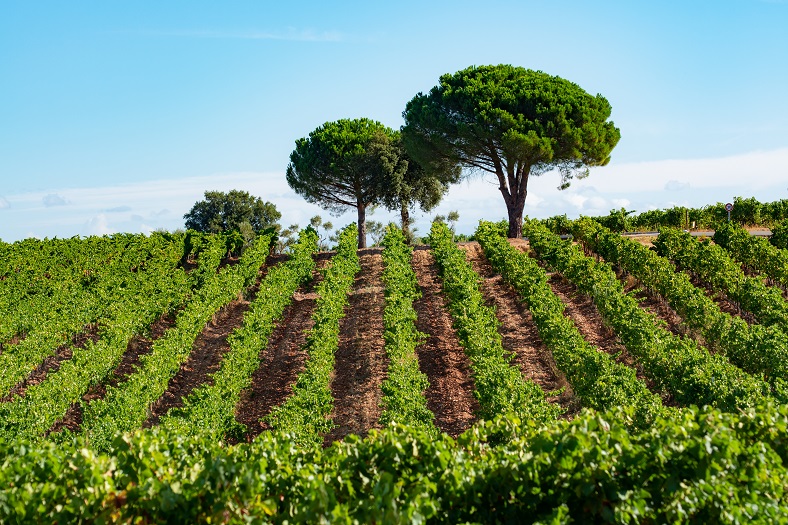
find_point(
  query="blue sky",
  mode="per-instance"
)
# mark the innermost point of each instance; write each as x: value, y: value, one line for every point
x: 117, y: 116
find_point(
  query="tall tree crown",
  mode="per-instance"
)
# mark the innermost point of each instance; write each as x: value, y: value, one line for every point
x: 338, y: 164
x: 414, y: 184
x: 341, y: 165
x: 506, y: 117
x: 513, y: 122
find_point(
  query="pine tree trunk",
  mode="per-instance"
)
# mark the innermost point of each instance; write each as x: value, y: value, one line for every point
x: 362, y: 227
x: 514, y: 188
x: 516, y: 217
x: 405, y: 217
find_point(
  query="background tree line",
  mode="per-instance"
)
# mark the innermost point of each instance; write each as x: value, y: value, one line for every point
x: 512, y: 122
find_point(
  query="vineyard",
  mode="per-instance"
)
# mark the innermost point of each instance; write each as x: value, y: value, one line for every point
x: 185, y: 378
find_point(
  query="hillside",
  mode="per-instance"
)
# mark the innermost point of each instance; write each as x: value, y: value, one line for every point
x: 278, y: 359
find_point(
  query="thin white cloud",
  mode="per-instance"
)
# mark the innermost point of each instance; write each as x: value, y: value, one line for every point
x: 4, y: 204
x: 157, y: 204
x: 576, y: 200
x: 289, y: 34
x: 598, y: 203
x: 535, y: 200
x: 755, y: 170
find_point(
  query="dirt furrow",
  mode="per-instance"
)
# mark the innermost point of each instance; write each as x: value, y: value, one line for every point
x: 654, y: 304
x: 584, y: 313
x: 281, y: 360
x: 519, y: 333
x: 138, y: 346
x: 51, y: 363
x: 204, y: 359
x: 361, y: 360
x: 441, y: 358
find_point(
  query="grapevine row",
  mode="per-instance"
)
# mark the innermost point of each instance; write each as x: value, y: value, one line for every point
x: 305, y: 413
x: 714, y: 266
x: 500, y: 387
x: 403, y: 389
x: 596, y: 378
x: 673, y: 363
x: 126, y: 406
x: 157, y: 288
x: 35, y: 274
x: 756, y: 349
x: 754, y: 252
x: 80, y: 299
x: 210, y: 410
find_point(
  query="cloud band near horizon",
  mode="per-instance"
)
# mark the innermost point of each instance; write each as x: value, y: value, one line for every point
x: 146, y: 206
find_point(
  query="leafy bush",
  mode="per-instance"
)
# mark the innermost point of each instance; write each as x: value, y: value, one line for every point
x: 700, y: 465
x: 779, y: 236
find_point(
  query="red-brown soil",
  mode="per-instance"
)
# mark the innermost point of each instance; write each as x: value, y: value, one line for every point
x: 203, y: 361
x: 360, y: 360
x: 441, y: 358
x: 52, y: 362
x: 580, y: 308
x: 209, y: 348
x: 137, y: 347
x: 282, y: 359
x: 519, y: 333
